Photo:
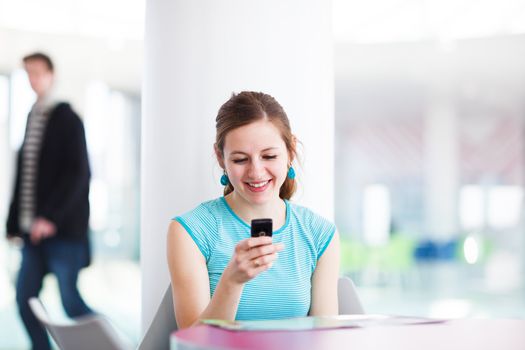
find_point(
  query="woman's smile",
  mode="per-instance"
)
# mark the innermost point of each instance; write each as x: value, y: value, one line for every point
x: 256, y: 162
x: 258, y: 186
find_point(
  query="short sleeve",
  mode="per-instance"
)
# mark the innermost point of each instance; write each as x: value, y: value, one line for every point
x: 200, y: 224
x: 323, y: 231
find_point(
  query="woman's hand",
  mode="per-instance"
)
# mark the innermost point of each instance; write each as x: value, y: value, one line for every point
x: 251, y: 257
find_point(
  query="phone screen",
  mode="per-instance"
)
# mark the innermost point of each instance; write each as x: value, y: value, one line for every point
x: 261, y: 227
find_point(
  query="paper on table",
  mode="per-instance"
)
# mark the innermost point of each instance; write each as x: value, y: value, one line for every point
x: 308, y: 323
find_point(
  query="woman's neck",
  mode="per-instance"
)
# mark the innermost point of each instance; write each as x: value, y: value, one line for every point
x: 276, y: 210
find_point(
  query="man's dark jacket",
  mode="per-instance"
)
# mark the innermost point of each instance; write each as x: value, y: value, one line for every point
x: 62, y: 184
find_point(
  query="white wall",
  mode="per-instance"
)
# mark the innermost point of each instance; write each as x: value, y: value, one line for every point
x: 196, y: 55
x: 440, y: 85
x: 78, y: 60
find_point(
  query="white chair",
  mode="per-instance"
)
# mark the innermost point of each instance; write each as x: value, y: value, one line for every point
x: 95, y: 332
x: 349, y: 302
x: 157, y: 337
x: 83, y: 333
x: 164, y: 323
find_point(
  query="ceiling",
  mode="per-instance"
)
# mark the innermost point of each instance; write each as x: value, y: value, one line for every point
x: 115, y: 19
x: 353, y: 21
x: 102, y: 35
x: 96, y: 39
x: 385, y: 21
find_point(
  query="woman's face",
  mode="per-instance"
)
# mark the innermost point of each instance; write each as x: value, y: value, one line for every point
x: 256, y: 161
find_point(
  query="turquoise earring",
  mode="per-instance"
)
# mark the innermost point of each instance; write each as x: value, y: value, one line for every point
x: 224, y: 179
x: 291, y: 173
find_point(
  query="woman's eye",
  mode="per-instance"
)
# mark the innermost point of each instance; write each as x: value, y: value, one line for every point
x: 269, y: 157
x: 239, y: 161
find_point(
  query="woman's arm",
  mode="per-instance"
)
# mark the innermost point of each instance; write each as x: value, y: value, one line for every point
x: 324, y: 281
x: 190, y: 282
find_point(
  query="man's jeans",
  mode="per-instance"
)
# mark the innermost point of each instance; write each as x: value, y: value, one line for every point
x: 64, y: 258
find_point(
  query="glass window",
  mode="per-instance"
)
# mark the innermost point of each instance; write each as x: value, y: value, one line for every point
x: 430, y: 162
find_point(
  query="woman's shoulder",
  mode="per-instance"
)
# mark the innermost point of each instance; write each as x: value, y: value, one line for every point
x: 307, y: 215
x: 317, y: 227
x: 207, y: 209
x: 201, y: 224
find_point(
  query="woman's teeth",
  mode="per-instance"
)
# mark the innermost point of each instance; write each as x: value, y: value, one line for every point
x: 257, y: 184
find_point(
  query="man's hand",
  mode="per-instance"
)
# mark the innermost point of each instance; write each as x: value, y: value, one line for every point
x: 42, y: 229
x: 11, y: 237
x: 14, y: 239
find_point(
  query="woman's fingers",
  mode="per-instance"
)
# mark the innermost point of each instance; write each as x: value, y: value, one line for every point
x: 250, y: 243
x: 264, y: 260
x: 253, y: 256
x: 257, y: 246
x: 265, y: 250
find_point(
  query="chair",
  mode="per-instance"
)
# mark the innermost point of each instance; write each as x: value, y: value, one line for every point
x: 164, y: 323
x: 83, y: 333
x: 349, y: 302
x: 95, y: 332
x: 157, y: 337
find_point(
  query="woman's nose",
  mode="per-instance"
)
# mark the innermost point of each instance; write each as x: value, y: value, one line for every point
x: 256, y: 169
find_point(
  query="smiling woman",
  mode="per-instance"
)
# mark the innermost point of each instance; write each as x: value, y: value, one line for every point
x: 262, y: 121
x: 255, y: 160
x: 217, y: 270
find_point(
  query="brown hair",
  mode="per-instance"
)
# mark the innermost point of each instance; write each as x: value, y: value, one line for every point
x: 39, y: 56
x: 245, y: 108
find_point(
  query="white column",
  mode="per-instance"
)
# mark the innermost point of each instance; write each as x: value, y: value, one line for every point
x: 196, y: 54
x: 441, y: 167
x: 6, y: 183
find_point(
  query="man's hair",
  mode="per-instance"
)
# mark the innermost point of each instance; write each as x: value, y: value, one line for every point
x: 42, y: 57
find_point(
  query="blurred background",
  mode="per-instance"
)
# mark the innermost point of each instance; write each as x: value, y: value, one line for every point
x: 98, y: 53
x: 429, y: 111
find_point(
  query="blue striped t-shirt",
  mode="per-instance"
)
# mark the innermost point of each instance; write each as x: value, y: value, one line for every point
x: 285, y: 289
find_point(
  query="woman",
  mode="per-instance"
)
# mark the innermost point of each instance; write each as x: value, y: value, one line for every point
x: 217, y: 270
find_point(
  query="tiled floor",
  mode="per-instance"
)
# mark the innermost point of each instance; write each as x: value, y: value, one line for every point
x: 111, y: 287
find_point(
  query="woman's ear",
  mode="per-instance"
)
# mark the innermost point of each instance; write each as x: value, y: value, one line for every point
x: 294, y: 148
x: 218, y: 154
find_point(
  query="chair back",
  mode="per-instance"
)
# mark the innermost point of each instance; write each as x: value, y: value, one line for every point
x: 83, y: 333
x: 349, y: 302
x: 157, y: 337
x: 158, y: 334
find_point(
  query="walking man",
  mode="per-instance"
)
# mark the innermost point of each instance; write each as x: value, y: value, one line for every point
x: 50, y: 208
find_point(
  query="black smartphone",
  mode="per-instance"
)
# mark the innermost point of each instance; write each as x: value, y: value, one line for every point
x: 262, y: 227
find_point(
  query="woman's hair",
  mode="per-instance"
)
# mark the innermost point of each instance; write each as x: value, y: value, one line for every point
x: 245, y: 108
